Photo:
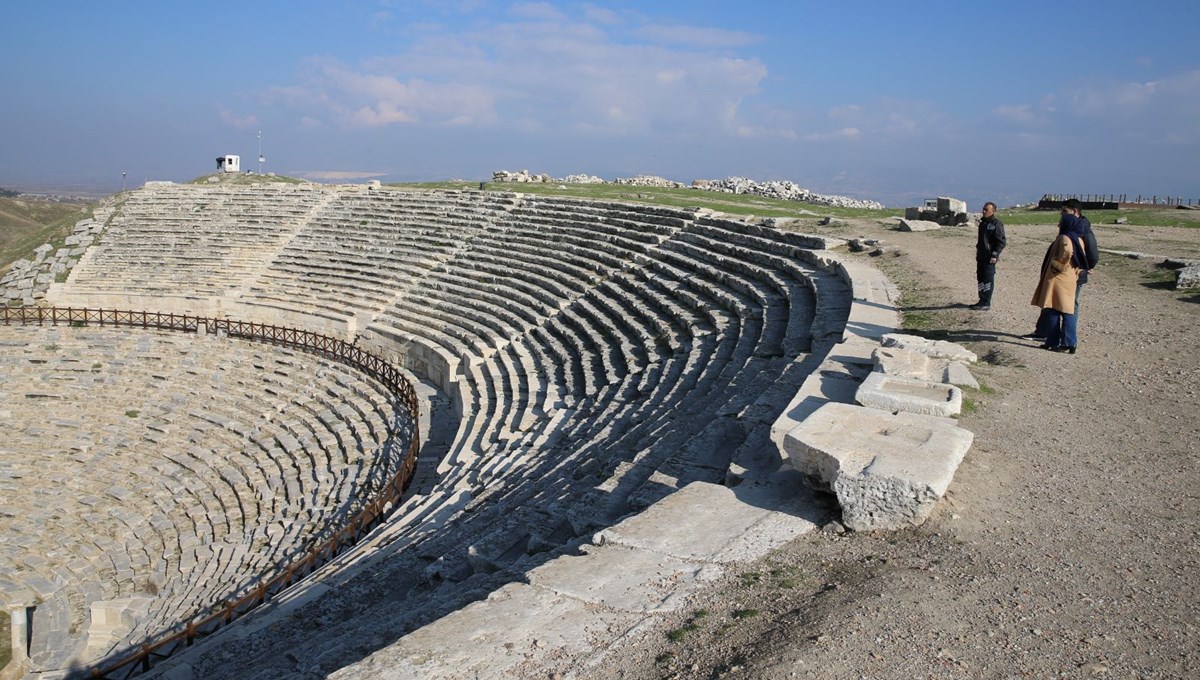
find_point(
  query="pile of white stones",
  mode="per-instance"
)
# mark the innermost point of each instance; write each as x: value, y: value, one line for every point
x: 788, y: 191
x: 782, y: 189
x: 649, y: 181
x: 28, y: 280
x: 582, y: 179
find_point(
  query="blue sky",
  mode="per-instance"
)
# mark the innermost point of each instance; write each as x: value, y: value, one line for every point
x: 884, y: 100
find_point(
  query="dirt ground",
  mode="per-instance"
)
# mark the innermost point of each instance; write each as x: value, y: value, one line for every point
x: 1067, y: 544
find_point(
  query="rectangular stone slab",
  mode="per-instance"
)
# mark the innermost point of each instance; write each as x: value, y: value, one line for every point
x: 908, y: 364
x: 888, y: 470
x: 516, y: 626
x: 894, y: 393
x: 713, y: 523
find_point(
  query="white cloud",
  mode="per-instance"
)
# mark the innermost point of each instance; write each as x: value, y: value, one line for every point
x: 846, y: 133
x: 884, y: 119
x: 371, y: 99
x: 600, y: 15
x: 1021, y: 114
x: 1179, y: 92
x: 536, y: 10
x: 696, y: 36
x: 235, y: 121
x: 538, y: 71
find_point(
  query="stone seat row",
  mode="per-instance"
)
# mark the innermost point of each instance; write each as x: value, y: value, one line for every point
x: 503, y: 447
x: 703, y: 303
x: 243, y: 441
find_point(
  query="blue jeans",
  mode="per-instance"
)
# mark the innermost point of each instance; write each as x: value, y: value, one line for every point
x: 1061, y: 328
x: 1043, y: 323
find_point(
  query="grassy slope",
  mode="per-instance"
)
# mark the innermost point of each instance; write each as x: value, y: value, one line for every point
x: 26, y: 224
x: 757, y: 206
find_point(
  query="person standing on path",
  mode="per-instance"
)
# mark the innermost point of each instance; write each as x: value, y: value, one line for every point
x: 1058, y: 284
x: 987, y: 253
x: 1072, y: 207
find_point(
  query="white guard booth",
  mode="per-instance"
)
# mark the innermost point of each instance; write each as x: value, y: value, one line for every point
x: 229, y: 163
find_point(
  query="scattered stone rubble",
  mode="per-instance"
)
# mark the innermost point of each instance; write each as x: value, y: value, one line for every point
x: 1187, y: 272
x: 27, y: 281
x: 649, y: 181
x: 522, y: 177
x: 788, y: 191
x: 892, y: 457
x: 943, y: 211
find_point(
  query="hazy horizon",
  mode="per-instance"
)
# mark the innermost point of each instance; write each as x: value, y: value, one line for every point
x: 888, y: 101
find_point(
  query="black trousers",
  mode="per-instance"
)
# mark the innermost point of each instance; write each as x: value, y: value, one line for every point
x: 985, y: 274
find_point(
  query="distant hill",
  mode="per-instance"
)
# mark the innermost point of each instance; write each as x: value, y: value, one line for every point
x: 26, y: 224
x: 8, y: 193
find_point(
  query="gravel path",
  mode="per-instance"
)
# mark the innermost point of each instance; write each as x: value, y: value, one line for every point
x: 1067, y: 544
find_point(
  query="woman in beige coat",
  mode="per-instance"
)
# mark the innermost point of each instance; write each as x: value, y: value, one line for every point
x: 1056, y: 289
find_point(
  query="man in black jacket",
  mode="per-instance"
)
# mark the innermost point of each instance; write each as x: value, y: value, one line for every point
x: 1072, y: 206
x: 987, y: 252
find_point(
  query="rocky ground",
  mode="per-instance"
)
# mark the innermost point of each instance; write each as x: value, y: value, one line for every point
x: 1067, y: 544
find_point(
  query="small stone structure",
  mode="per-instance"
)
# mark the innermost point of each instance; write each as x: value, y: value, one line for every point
x: 27, y: 281
x: 229, y: 163
x: 887, y: 462
x: 1188, y: 278
x: 941, y: 210
x: 888, y: 470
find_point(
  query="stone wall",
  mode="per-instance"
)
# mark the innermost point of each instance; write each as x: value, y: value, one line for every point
x: 27, y: 281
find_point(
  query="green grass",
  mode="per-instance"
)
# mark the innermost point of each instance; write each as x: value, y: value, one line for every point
x: 5, y: 639
x: 751, y: 578
x: 245, y: 179
x: 1137, y: 217
x: 26, y: 224
x: 692, y: 625
x: 735, y: 204
x: 969, y: 406
x: 745, y: 613
x: 132, y: 413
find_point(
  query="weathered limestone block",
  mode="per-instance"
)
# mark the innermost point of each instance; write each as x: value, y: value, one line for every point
x: 887, y: 470
x: 939, y: 349
x: 908, y: 364
x: 950, y: 206
x: 41, y: 251
x: 1187, y: 278
x: 909, y: 395
x: 112, y: 621
x: 918, y: 225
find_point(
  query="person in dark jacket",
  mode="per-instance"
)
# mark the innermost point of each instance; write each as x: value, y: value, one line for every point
x: 1072, y: 207
x: 987, y: 253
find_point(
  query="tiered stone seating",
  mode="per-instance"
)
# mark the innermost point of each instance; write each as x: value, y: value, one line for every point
x: 363, y: 249
x: 194, y: 240
x: 635, y: 382
x: 599, y: 356
x: 173, y: 468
